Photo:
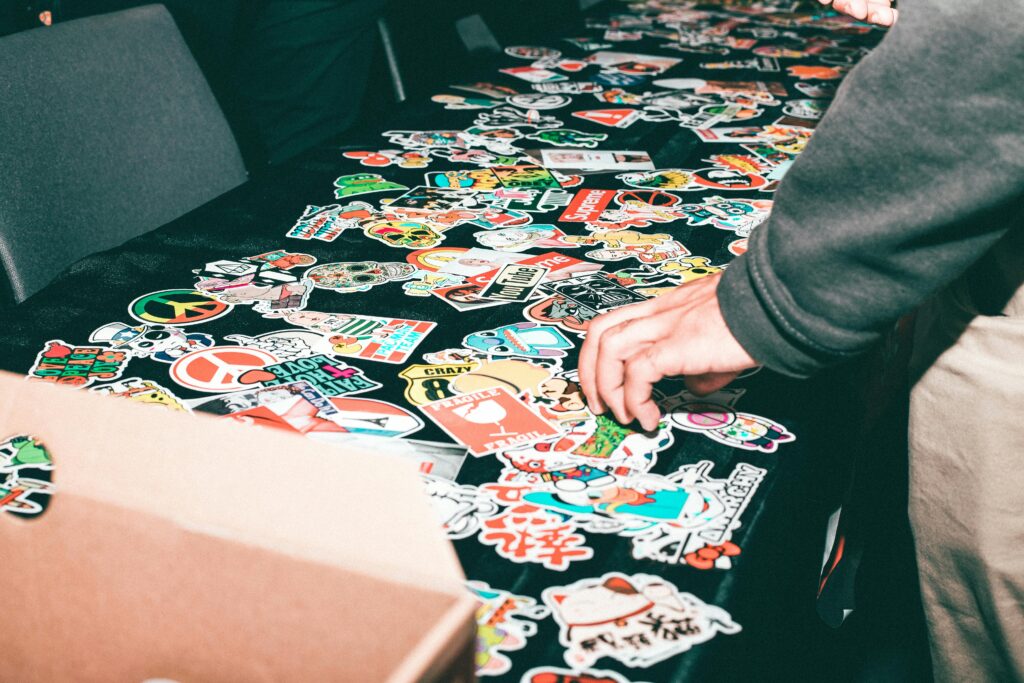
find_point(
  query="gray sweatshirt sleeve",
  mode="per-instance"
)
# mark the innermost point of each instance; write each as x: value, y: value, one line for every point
x: 916, y: 170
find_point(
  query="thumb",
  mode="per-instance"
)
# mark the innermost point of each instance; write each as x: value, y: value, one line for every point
x: 708, y: 383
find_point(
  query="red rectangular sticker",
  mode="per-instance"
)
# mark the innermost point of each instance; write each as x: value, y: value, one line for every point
x: 587, y: 206
x: 488, y: 421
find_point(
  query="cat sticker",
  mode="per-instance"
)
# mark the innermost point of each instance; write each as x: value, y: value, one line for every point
x: 638, y: 620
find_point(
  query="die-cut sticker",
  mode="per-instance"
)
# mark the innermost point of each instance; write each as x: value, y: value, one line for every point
x: 78, y: 366
x: 637, y: 619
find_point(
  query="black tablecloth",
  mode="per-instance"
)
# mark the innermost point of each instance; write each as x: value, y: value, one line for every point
x: 625, y: 607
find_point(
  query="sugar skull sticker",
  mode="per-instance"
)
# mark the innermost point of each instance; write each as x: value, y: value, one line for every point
x: 358, y: 276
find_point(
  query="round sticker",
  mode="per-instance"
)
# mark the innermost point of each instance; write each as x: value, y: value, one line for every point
x: 656, y: 198
x: 727, y: 179
x: 539, y: 101
x: 217, y: 370
x: 177, y: 307
x: 531, y: 52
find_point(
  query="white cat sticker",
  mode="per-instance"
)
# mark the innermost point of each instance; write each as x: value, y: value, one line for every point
x: 638, y: 620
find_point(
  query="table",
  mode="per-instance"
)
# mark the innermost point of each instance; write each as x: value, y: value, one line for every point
x: 433, y: 285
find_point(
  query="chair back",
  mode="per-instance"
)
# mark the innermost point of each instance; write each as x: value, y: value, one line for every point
x: 107, y: 130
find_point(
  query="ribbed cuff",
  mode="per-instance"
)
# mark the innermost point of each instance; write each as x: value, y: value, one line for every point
x: 746, y: 307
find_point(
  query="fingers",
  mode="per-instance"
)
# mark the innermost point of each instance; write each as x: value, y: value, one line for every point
x: 643, y: 370
x: 882, y: 15
x: 617, y: 346
x: 589, y: 353
x: 709, y: 383
x: 874, y: 11
x: 858, y: 9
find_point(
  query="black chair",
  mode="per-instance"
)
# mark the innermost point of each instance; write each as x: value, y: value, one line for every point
x: 107, y: 130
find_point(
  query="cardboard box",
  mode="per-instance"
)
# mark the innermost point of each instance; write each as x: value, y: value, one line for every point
x: 187, y: 548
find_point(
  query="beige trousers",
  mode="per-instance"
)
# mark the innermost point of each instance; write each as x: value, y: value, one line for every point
x: 967, y: 473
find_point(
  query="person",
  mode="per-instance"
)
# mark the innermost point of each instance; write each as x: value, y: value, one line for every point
x: 911, y: 192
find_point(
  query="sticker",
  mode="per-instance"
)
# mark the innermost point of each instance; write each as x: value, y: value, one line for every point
x: 805, y: 109
x: 369, y: 417
x: 289, y: 344
x: 587, y: 205
x: 567, y: 137
x: 702, y: 539
x: 539, y: 201
x: 525, y: 533
x: 488, y: 421
x: 515, y: 282
x: 523, y: 238
x: 388, y: 340
x: 690, y: 268
x: 507, y: 117
x: 769, y: 64
x: 738, y: 247
x: 487, y: 90
x: 160, y: 342
x: 78, y: 366
x: 363, y: 183
x: 738, y: 215
x: 390, y: 157
x: 461, y: 102
x: 665, y: 179
x: 526, y: 176
x: 402, y: 234
x: 461, y: 509
x: 432, y: 199
x: 515, y: 374
x: 177, y: 307
x: 474, y: 179
x: 714, y: 417
x: 568, y: 88
x: 326, y: 223
x: 428, y: 383
x: 296, y: 407
x: 614, y: 118
x: 218, y: 369
x: 502, y: 626
x: 816, y: 90
x: 618, y: 79
x: 625, y: 244
x: 734, y: 134
x: 527, y: 339
x: 579, y: 161
x: 807, y: 72
x: 142, y: 391
x: 534, y: 75
x: 632, y: 63
x: 596, y: 292
x: 564, y: 313
x: 531, y: 52
x: 423, y: 139
x: 551, y: 674
x: 464, y: 297
x: 330, y: 376
x: 358, y: 276
x: 727, y: 179
x: 539, y: 101
x: 26, y: 479
x: 638, y: 620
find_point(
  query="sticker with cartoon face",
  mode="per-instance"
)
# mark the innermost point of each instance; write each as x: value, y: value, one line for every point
x: 727, y: 179
x: 565, y: 313
x: 363, y: 183
x: 358, y: 276
x: 567, y: 137
x: 423, y: 139
x: 524, y: 237
x: 665, y: 179
x: 638, y: 620
x: 527, y: 339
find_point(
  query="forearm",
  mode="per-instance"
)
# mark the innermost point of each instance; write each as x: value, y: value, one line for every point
x: 915, y: 172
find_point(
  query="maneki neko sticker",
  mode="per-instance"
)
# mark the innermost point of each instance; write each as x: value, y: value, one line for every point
x: 638, y: 620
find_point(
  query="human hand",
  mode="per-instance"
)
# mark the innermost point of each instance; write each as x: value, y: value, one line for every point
x: 630, y: 349
x: 879, y: 12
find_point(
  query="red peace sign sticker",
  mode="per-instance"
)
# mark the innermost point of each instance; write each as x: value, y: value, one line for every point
x: 219, y: 369
x: 177, y: 307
